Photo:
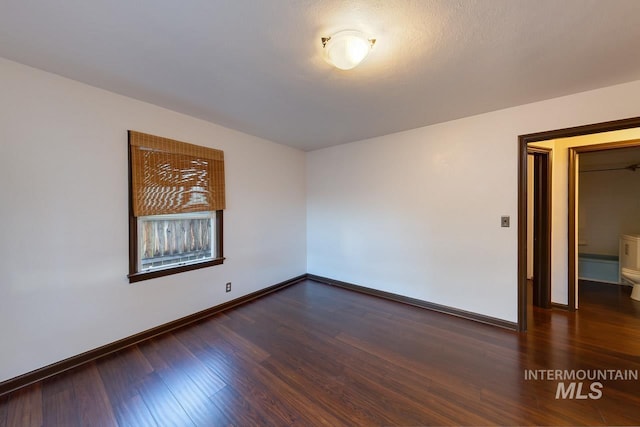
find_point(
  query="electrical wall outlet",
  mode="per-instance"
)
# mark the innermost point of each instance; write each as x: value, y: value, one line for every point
x: 228, y: 288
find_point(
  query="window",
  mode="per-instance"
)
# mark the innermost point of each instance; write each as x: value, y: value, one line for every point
x: 171, y: 240
x: 176, y: 196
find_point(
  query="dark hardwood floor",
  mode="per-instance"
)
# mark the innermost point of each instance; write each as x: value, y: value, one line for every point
x: 313, y: 354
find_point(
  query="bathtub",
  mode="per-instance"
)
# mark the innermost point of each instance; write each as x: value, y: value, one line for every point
x: 599, y: 268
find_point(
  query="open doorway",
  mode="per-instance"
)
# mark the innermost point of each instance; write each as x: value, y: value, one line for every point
x: 570, y: 259
x: 603, y: 207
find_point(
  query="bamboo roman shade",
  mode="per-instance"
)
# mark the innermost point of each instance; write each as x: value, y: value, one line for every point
x: 170, y: 177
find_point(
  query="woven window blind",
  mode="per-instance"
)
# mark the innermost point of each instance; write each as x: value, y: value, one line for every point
x: 170, y: 177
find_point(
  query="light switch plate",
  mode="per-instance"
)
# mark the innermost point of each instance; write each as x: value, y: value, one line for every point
x: 504, y: 221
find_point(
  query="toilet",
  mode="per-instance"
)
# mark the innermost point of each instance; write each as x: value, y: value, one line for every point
x: 630, y: 262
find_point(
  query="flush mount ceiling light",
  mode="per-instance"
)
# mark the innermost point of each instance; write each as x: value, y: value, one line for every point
x: 346, y: 49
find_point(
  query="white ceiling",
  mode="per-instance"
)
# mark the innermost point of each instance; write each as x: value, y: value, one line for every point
x: 256, y: 65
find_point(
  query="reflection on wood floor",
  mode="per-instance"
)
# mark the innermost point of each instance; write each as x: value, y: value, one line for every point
x: 314, y: 354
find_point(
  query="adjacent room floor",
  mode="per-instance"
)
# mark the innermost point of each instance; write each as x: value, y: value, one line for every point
x: 313, y: 354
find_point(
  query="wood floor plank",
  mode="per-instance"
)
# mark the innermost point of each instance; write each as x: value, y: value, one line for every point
x: 163, y: 405
x: 237, y: 317
x: 4, y: 404
x: 60, y: 406
x: 246, y: 346
x: 24, y: 407
x: 94, y: 406
x: 132, y: 412
x: 268, y: 393
x: 229, y: 401
x: 114, y: 374
x: 120, y: 374
x: 170, y: 354
x: 187, y: 378
x: 193, y: 400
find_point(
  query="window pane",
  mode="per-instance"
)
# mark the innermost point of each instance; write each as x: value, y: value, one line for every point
x: 170, y: 240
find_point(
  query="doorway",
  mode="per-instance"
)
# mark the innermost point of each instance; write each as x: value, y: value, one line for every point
x: 523, y: 142
x: 614, y: 158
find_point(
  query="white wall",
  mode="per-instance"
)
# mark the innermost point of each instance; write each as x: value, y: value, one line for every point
x: 417, y: 213
x: 63, y: 223
x: 609, y: 206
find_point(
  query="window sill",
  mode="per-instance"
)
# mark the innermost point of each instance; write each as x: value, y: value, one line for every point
x: 146, y: 275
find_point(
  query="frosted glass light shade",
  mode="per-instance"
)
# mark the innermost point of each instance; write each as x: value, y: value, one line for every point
x: 346, y: 49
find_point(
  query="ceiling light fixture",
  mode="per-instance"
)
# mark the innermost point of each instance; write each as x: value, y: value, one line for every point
x: 346, y: 49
